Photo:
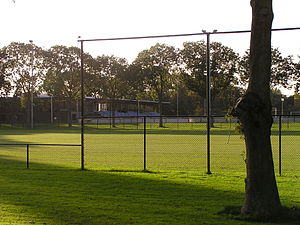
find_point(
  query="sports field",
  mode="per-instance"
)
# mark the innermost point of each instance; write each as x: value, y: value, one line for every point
x: 176, y: 189
x: 177, y: 147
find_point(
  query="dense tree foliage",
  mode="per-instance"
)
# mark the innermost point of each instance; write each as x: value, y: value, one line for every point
x: 26, y: 69
x: 4, y: 75
x: 63, y: 74
x: 108, y: 79
x: 224, y: 62
x: 296, y: 77
x: 62, y: 77
x: 282, y: 69
x: 160, y: 73
x: 156, y: 66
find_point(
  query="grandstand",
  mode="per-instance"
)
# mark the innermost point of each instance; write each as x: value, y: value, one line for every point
x: 108, y: 113
x: 125, y: 108
x: 122, y: 110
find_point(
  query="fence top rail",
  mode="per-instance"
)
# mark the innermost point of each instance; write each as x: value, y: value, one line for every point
x: 24, y: 144
x: 178, y: 35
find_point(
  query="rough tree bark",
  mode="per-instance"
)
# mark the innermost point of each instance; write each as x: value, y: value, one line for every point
x: 255, y: 114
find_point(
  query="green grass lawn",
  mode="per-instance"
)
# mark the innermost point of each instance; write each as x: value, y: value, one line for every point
x: 176, y: 147
x: 103, y: 197
x: 115, y: 191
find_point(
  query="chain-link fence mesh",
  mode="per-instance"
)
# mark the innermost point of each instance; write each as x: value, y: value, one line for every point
x: 44, y: 147
x: 181, y: 144
x: 113, y: 146
x: 227, y: 146
x: 178, y: 145
x: 138, y: 143
x: 54, y: 157
x: 290, y: 144
x: 12, y: 156
x: 40, y: 156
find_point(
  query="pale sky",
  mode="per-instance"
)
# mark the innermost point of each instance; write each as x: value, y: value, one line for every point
x: 52, y: 22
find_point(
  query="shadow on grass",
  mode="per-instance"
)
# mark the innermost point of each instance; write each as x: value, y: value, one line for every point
x: 19, y: 144
x: 72, y: 196
x: 26, y: 131
x: 96, y: 197
x: 286, y: 216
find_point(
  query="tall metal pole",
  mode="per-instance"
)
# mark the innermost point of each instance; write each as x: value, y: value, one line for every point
x: 31, y: 89
x: 177, y: 101
x: 208, y: 97
x: 31, y: 108
x: 282, y: 100
x: 82, y: 104
x: 177, y: 105
x: 280, y: 138
x: 145, y: 143
x: 27, y: 156
x: 280, y: 145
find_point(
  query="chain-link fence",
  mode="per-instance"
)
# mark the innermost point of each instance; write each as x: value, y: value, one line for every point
x: 181, y: 144
x: 39, y: 156
x: 140, y: 143
x: 46, y: 147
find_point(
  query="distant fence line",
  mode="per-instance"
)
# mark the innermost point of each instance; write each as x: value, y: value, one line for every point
x: 180, y: 119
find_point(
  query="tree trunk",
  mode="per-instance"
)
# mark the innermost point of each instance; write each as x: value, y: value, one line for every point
x: 69, y: 105
x: 28, y: 110
x: 161, y: 124
x: 113, y: 111
x: 160, y: 99
x: 255, y: 114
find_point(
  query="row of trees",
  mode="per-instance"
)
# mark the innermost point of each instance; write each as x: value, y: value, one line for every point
x: 159, y: 73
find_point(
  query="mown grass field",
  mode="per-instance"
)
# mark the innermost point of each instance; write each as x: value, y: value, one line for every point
x: 116, y: 191
x: 177, y: 147
x: 104, y: 197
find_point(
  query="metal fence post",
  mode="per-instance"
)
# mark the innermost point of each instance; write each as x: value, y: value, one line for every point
x: 82, y: 105
x: 145, y: 144
x: 208, y: 96
x: 27, y: 156
x: 280, y: 145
